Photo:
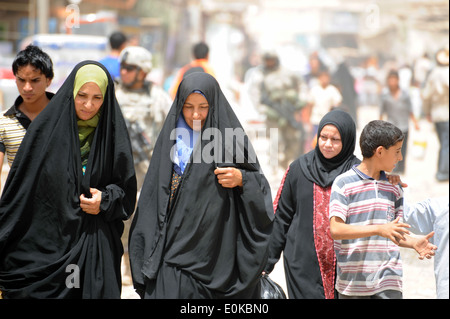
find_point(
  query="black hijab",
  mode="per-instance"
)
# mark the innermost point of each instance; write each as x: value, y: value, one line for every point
x: 322, y: 171
x: 49, y: 247
x: 216, y: 235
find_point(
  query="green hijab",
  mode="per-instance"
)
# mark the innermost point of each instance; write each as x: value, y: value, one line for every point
x: 86, y: 129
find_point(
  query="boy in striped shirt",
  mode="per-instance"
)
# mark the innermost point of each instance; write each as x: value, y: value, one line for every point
x: 365, y: 212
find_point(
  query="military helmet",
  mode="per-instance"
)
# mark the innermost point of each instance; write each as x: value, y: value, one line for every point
x: 139, y: 56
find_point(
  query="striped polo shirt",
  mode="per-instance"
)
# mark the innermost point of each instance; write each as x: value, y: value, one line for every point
x: 13, y: 126
x: 366, y: 266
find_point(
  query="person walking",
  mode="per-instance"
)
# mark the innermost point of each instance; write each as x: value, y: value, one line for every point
x: 424, y: 217
x: 117, y: 42
x: 301, y: 228
x: 396, y: 106
x: 69, y: 190
x: 436, y: 108
x: 144, y: 105
x: 274, y: 92
x: 202, y: 223
x: 33, y: 69
x: 365, y: 212
x: 200, y: 63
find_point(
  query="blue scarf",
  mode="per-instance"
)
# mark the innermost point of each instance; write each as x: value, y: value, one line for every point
x: 184, y: 145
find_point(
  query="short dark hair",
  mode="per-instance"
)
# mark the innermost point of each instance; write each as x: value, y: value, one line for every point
x: 378, y: 133
x: 117, y: 39
x: 393, y: 73
x: 33, y: 55
x: 200, y: 50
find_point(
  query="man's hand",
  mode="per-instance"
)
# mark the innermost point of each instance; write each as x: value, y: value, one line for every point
x: 423, y: 246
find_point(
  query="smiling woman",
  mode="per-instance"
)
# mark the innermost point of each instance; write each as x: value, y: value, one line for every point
x: 201, y: 228
x: 301, y: 227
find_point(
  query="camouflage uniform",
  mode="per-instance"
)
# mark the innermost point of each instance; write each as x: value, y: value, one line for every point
x: 145, y: 110
x: 276, y: 95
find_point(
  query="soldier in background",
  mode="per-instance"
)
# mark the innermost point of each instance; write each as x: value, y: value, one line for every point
x: 144, y: 105
x: 275, y: 93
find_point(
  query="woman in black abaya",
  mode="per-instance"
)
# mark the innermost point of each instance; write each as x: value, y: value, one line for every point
x: 204, y: 216
x: 70, y: 186
x: 301, y: 226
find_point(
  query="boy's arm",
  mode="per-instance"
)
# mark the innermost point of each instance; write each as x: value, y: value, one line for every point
x: 394, y: 230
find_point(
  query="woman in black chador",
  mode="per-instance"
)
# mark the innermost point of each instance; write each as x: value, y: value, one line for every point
x: 70, y: 186
x: 301, y: 226
x: 204, y: 216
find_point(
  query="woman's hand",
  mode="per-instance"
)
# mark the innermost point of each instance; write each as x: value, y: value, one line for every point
x: 229, y: 177
x: 395, y: 179
x: 91, y: 205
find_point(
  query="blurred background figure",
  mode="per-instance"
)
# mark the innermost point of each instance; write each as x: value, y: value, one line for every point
x: 144, y: 104
x: 200, y: 52
x: 117, y: 42
x: 275, y: 93
x: 323, y: 97
x: 395, y: 105
x: 344, y: 81
x: 436, y: 108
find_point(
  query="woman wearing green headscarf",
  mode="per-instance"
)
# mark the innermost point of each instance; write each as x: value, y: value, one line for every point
x: 69, y: 189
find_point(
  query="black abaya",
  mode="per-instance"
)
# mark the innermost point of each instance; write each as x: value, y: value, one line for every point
x: 301, y: 226
x: 212, y: 242
x: 49, y: 247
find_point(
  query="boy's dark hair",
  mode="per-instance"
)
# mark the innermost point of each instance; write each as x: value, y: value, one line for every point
x: 117, y: 39
x: 393, y: 73
x: 33, y: 55
x: 200, y: 50
x: 379, y: 133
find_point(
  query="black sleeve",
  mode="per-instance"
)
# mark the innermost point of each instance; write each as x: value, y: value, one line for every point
x: 284, y: 214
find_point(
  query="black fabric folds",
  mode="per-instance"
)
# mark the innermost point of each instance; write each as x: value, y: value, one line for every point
x: 212, y: 243
x: 49, y: 247
x: 321, y: 171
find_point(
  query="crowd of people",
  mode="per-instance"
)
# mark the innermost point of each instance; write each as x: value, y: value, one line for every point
x: 113, y: 165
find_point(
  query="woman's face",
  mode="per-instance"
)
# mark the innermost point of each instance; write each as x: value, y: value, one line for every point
x: 88, y: 101
x: 195, y: 110
x: 330, y: 143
